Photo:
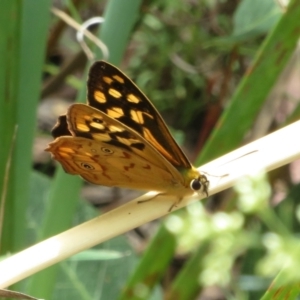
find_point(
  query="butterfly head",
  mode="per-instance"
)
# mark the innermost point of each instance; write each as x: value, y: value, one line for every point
x: 195, y: 181
x: 200, y: 184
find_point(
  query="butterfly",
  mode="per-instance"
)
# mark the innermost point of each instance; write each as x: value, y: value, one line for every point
x: 119, y: 139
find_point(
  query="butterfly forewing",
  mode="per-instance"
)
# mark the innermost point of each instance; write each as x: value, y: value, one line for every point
x: 113, y: 93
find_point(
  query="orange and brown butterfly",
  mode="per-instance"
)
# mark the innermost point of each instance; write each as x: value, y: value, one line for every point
x: 119, y: 139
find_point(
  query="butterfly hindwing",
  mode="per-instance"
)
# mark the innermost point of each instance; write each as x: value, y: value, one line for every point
x: 104, y: 164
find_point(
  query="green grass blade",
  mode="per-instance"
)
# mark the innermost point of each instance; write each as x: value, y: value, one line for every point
x: 9, y: 45
x: 120, y: 17
x: 27, y: 62
x: 280, y: 291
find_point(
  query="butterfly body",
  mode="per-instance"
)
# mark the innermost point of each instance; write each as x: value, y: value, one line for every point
x: 119, y: 139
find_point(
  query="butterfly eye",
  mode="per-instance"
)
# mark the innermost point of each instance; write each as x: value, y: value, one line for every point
x: 195, y: 184
x: 107, y: 150
x: 87, y: 166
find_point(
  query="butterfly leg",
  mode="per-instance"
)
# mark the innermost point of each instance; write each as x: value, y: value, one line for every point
x: 151, y: 198
x: 175, y: 204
